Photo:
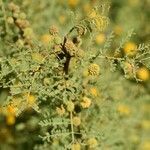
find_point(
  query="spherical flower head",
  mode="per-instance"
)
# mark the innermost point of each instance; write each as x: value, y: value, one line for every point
x: 101, y: 22
x: 70, y: 106
x: 76, y: 121
x: 10, y: 120
x: 145, y: 145
x: 100, y: 38
x: 10, y: 114
x: 76, y: 146
x: 92, y: 143
x: 86, y: 102
x: 73, y: 3
x: 31, y: 99
x: 94, y: 91
x: 94, y: 69
x: 130, y: 49
x: 143, y: 74
x: 46, y: 39
x: 53, y: 30
x: 11, y: 110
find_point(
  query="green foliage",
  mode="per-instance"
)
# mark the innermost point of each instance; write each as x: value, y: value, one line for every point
x: 71, y: 88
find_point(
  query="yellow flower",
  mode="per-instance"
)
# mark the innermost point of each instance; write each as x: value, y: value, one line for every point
x: 100, y: 38
x: 10, y: 119
x: 145, y: 145
x: 94, y: 91
x: 11, y: 110
x: 101, y: 22
x: 73, y: 3
x: 143, y: 74
x: 76, y: 121
x: 76, y: 146
x: 86, y: 102
x: 130, y: 49
x: 31, y: 99
x: 46, y: 39
x: 94, y: 69
x: 123, y: 110
x: 92, y: 143
x: 10, y: 114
